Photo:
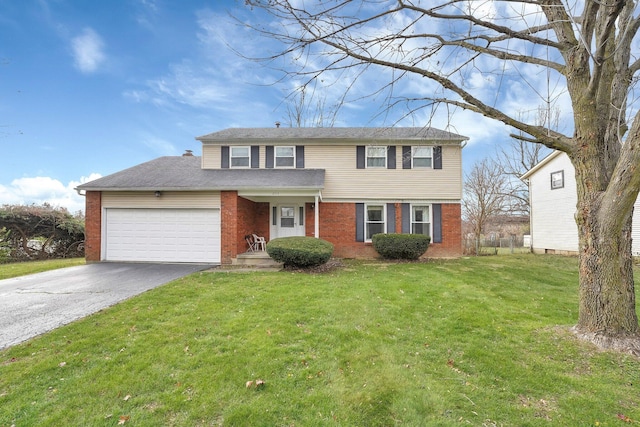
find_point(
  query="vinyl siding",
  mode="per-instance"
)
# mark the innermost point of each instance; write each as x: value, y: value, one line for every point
x: 344, y: 181
x: 635, y: 230
x: 168, y: 199
x: 553, y: 226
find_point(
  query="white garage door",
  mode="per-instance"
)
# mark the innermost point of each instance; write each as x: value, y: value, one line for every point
x: 162, y: 235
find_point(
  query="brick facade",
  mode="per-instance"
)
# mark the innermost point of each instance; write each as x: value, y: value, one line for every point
x: 93, y: 226
x: 240, y: 216
x: 337, y: 225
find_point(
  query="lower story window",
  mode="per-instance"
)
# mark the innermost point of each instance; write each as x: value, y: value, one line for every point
x: 374, y: 221
x: 420, y: 220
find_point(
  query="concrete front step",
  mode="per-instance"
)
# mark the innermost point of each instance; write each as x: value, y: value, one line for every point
x: 258, y: 259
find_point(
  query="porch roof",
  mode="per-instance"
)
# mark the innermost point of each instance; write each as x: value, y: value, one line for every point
x: 185, y: 173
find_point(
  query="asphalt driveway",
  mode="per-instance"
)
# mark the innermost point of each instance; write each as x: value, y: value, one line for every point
x: 34, y: 304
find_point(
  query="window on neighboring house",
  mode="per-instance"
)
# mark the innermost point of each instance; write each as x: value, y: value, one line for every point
x: 422, y: 157
x: 285, y: 157
x: 376, y: 157
x: 374, y: 221
x: 557, y: 179
x: 420, y: 220
x: 240, y: 157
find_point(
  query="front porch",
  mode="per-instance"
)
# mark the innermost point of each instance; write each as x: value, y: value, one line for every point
x: 269, y: 216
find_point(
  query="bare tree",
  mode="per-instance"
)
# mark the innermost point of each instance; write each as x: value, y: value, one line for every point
x: 484, y: 195
x: 519, y: 156
x: 461, y: 54
x: 305, y: 110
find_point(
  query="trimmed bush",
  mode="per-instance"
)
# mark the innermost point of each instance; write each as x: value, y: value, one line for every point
x: 300, y: 251
x: 400, y: 246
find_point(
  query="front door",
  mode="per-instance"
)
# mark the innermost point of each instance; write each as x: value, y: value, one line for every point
x: 288, y: 220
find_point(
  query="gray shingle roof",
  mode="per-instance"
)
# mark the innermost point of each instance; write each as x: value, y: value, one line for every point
x: 185, y: 173
x: 332, y: 133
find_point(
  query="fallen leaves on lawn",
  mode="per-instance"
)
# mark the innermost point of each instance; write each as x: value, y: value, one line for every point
x: 625, y: 418
x: 257, y: 384
x: 123, y: 419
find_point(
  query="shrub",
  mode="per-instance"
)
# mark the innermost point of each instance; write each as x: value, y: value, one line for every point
x: 300, y: 251
x: 400, y: 246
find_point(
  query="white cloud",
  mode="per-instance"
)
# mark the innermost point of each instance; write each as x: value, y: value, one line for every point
x: 88, y: 51
x: 42, y: 189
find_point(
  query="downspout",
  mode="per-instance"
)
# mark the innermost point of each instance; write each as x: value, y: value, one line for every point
x: 316, y: 225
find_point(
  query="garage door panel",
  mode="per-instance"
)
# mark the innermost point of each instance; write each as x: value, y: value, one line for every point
x: 162, y: 235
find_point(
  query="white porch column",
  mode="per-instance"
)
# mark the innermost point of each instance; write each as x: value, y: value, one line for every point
x: 316, y: 230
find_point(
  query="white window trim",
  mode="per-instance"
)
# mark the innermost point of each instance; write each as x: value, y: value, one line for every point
x: 367, y: 222
x: 414, y: 222
x: 231, y: 157
x: 366, y: 156
x: 413, y: 151
x: 275, y: 156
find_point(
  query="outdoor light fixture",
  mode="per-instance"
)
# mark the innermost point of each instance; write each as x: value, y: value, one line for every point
x: 158, y: 194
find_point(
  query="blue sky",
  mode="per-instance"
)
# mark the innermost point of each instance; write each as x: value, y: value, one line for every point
x: 88, y: 88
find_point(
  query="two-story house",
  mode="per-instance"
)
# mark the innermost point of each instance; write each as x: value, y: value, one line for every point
x: 340, y: 184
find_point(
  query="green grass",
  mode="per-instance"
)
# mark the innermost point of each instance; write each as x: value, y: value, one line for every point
x: 475, y: 341
x: 16, y: 269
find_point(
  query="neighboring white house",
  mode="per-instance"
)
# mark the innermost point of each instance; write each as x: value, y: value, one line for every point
x: 553, y: 199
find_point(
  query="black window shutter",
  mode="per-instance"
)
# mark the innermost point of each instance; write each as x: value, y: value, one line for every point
x: 391, y: 157
x: 269, y: 154
x: 391, y: 218
x: 406, y: 218
x: 300, y: 156
x: 224, y: 157
x: 406, y: 157
x: 437, y: 223
x: 360, y: 156
x: 359, y: 222
x: 255, y: 156
x: 437, y: 157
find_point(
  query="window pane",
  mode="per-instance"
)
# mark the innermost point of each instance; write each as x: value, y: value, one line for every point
x: 376, y: 157
x: 422, y: 151
x: 284, y: 151
x: 376, y: 151
x: 284, y: 161
x: 375, y: 162
x: 239, y: 161
x: 422, y: 157
x: 286, y: 222
x: 286, y: 212
x: 374, y: 213
x: 421, y: 214
x: 374, y: 228
x: 239, y: 151
x: 239, y: 156
x: 421, y: 163
x: 284, y: 156
x: 418, y: 228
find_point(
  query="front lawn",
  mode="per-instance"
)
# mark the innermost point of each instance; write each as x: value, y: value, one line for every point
x: 16, y: 269
x: 475, y: 341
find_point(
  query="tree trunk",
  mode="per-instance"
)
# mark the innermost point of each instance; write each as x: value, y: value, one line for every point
x: 607, y: 312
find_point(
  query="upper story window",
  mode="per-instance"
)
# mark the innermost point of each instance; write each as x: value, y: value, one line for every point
x: 557, y: 180
x: 420, y: 220
x: 285, y: 157
x: 376, y: 156
x: 422, y: 157
x: 240, y: 157
x: 374, y: 221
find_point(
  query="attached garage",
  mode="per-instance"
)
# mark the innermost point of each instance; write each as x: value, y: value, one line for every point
x: 162, y: 235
